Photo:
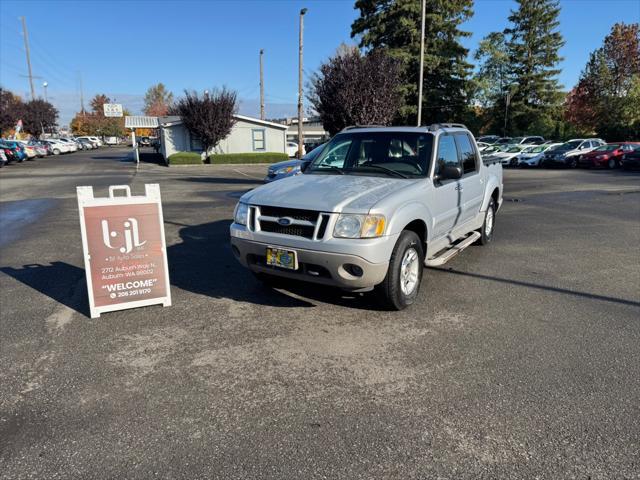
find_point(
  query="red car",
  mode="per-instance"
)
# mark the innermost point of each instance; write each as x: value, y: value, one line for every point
x: 608, y: 155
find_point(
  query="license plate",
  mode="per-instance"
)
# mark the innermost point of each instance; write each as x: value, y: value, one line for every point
x: 282, y: 258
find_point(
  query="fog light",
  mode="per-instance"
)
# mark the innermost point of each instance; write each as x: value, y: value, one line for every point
x: 354, y: 270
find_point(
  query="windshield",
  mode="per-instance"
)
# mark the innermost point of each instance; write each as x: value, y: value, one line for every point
x: 397, y: 154
x: 569, y: 145
x: 607, y: 148
x: 313, y: 153
x: 538, y: 149
x: 517, y: 139
x: 514, y: 149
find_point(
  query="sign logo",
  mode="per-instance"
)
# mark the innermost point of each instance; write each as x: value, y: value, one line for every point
x: 130, y: 234
x: 285, y: 221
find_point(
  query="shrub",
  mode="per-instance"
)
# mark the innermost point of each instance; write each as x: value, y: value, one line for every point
x: 253, y: 157
x: 185, y: 158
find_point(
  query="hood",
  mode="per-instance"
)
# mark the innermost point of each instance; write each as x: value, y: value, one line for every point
x: 287, y: 163
x: 327, y: 193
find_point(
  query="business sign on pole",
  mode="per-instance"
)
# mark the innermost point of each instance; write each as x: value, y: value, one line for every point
x: 112, y: 110
x: 125, y: 255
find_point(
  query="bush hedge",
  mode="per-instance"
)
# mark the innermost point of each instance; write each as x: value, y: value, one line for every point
x: 253, y: 157
x: 185, y: 158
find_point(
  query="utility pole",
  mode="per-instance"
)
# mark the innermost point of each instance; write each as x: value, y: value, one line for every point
x: 81, y: 94
x: 261, y: 86
x: 300, y: 134
x: 424, y: 8
x: 45, y: 85
x: 506, y: 112
x: 26, y: 48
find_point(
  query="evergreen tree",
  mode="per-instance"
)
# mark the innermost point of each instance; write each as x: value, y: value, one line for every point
x: 395, y: 26
x: 533, y: 45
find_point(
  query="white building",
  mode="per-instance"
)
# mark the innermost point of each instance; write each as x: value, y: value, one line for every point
x: 247, y: 135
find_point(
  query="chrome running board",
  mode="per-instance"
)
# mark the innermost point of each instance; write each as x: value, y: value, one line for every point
x: 452, y: 251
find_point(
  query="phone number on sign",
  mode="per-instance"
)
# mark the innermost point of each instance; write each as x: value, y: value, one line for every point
x: 131, y: 293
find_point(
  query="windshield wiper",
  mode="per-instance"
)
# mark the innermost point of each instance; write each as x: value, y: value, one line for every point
x: 385, y: 169
x: 330, y: 167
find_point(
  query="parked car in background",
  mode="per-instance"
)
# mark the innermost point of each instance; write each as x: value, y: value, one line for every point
x: 73, y: 146
x: 87, y: 144
x: 532, y: 155
x: 17, y: 149
x: 608, y: 155
x: 116, y: 141
x: 566, y: 155
x: 502, y: 141
x: 57, y: 147
x: 28, y: 149
x: 509, y: 156
x: 631, y: 160
x: 292, y: 149
x: 41, y: 150
x: 290, y: 168
x: 3, y: 158
x: 482, y: 146
x: 95, y: 141
x: 490, y: 139
x: 527, y: 141
x: 393, y: 203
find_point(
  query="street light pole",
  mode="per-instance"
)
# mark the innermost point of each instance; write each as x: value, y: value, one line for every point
x: 424, y: 8
x: 45, y: 85
x: 300, y: 134
x: 261, y: 86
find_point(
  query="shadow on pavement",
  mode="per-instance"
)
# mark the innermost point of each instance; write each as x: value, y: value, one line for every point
x: 520, y: 283
x: 204, y: 264
x: 60, y: 281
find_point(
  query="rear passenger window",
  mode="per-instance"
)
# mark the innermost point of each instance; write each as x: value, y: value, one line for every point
x: 467, y: 153
x: 447, y: 153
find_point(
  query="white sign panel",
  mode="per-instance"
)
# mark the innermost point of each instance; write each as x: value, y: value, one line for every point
x: 112, y: 110
x: 125, y: 255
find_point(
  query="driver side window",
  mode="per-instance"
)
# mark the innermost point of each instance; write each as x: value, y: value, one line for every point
x: 447, y: 154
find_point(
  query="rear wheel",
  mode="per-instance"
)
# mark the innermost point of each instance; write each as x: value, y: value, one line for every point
x: 573, y: 162
x: 400, y: 286
x: 56, y: 151
x: 611, y: 164
x: 486, y: 232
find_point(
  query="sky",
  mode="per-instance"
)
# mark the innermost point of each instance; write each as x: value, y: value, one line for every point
x: 120, y: 48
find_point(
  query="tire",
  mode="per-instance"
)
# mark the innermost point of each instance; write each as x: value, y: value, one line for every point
x: 573, y: 163
x: 401, y: 285
x: 56, y: 151
x: 488, y: 226
x: 611, y: 164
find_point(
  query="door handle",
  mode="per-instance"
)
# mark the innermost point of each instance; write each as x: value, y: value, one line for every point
x: 459, y: 187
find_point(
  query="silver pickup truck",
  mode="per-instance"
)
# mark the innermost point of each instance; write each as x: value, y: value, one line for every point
x: 371, y: 210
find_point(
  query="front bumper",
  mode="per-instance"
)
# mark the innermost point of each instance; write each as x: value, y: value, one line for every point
x: 317, y: 266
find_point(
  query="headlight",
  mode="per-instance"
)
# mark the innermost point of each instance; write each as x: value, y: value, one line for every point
x: 241, y: 214
x: 285, y: 170
x: 359, y: 226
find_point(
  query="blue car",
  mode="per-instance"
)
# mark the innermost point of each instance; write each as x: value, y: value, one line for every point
x: 290, y: 168
x: 17, y: 148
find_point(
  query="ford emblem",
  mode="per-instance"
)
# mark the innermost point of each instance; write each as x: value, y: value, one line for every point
x: 285, y: 221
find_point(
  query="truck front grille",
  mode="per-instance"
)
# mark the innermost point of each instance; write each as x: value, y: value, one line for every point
x: 295, y: 222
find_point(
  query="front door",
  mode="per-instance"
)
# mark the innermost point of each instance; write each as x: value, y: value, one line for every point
x: 447, y: 198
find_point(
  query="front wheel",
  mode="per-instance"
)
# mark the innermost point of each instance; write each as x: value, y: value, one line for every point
x: 611, y: 164
x: 486, y: 232
x: 573, y: 162
x: 400, y: 286
x: 56, y: 151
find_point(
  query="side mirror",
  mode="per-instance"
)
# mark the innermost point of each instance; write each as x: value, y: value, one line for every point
x: 449, y: 172
x: 304, y: 166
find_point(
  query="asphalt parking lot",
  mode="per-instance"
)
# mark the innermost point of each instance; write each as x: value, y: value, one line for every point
x: 520, y: 360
